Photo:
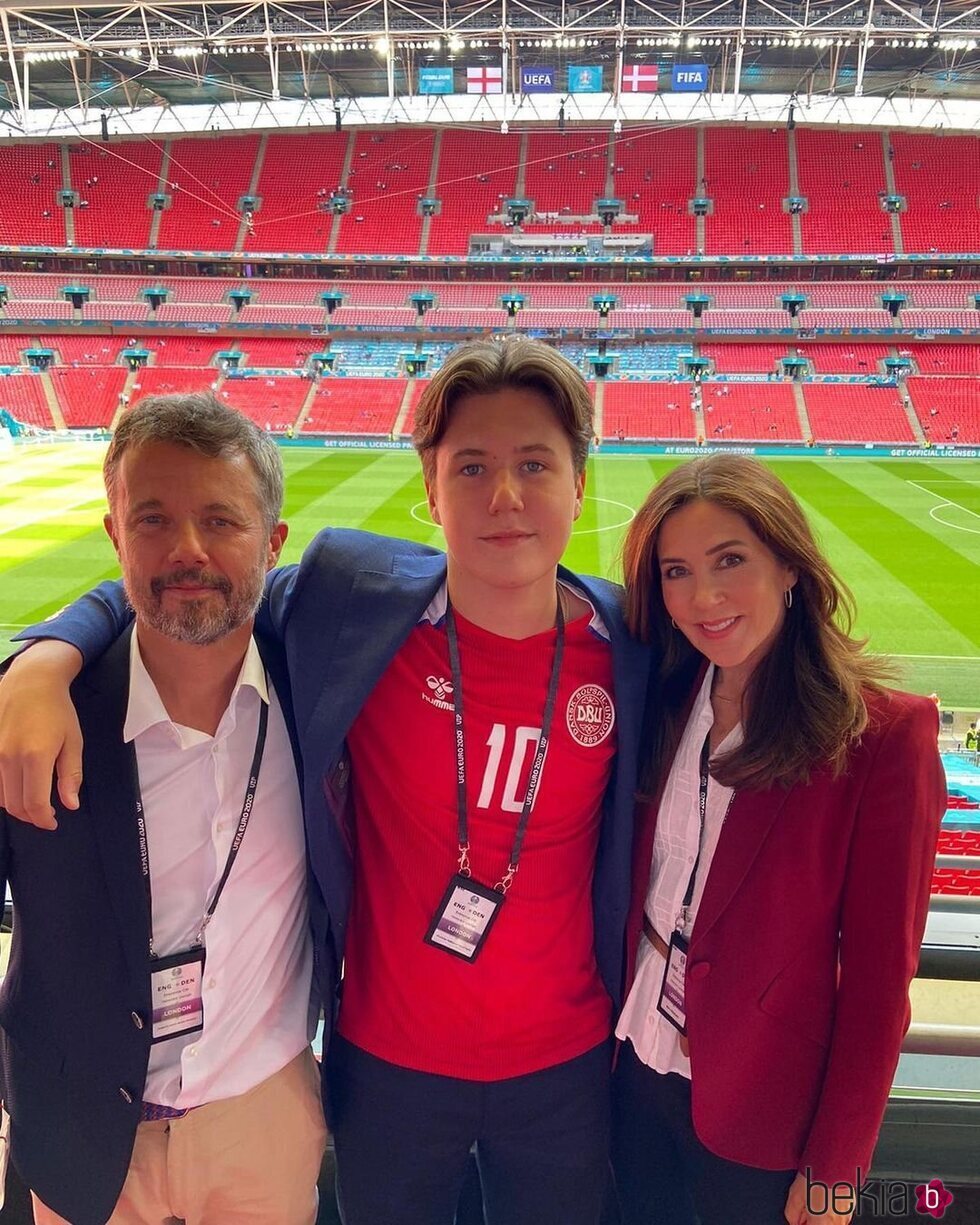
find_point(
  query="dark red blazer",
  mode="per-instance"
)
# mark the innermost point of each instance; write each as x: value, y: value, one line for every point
x: 806, y: 939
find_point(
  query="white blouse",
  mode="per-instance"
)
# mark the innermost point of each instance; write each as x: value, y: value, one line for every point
x: 675, y: 850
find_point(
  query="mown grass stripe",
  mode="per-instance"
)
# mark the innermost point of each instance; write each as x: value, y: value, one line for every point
x: 941, y: 577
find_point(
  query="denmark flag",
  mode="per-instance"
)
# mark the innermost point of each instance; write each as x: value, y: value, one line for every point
x: 485, y: 80
x: 640, y: 78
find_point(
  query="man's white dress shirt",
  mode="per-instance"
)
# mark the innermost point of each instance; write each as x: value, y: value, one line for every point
x: 259, y: 963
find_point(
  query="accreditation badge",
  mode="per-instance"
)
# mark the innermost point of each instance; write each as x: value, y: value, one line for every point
x: 176, y: 994
x: 671, y: 1001
x: 464, y: 917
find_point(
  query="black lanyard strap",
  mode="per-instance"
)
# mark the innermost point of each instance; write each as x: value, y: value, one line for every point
x: 702, y: 815
x: 537, y: 766
x: 236, y: 842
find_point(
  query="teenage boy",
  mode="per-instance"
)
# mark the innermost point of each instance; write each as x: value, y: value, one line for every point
x: 459, y: 717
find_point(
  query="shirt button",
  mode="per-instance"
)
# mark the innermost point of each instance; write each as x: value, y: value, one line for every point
x: 126, y: 1096
x: 192, y: 1051
x: 137, y: 1020
x: 212, y: 983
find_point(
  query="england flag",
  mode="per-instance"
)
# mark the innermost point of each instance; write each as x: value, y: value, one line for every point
x: 640, y: 78
x: 485, y: 80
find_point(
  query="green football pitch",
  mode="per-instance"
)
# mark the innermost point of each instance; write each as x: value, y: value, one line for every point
x: 904, y: 534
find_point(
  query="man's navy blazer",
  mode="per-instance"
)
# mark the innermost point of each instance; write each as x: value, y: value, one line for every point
x: 342, y: 614
x: 75, y: 1002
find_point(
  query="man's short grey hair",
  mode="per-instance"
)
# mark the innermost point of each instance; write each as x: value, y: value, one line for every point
x: 198, y: 420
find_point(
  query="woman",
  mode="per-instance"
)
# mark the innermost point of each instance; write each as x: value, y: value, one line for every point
x: 782, y: 872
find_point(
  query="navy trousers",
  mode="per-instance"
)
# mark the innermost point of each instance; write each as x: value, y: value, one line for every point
x: 664, y: 1174
x: 403, y: 1141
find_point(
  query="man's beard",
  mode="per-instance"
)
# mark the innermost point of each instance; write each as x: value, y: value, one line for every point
x: 203, y: 621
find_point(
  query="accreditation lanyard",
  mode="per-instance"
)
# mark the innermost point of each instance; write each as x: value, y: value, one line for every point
x: 468, y: 909
x: 176, y: 981
x: 671, y: 1002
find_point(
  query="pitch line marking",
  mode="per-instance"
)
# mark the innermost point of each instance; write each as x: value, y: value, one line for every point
x: 942, y: 504
x: 585, y: 531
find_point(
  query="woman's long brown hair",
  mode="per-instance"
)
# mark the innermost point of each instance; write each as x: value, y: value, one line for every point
x: 804, y: 704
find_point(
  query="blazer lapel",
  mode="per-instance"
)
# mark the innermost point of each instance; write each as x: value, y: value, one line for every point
x: 380, y: 612
x: 109, y: 796
x: 745, y: 830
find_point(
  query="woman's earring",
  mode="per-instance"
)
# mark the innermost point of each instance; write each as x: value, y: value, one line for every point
x: 788, y: 597
x: 674, y: 623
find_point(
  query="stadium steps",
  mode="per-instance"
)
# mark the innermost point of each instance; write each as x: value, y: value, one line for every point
x: 157, y: 218
x: 914, y: 423
x: 794, y: 190
x: 344, y: 176
x: 69, y: 212
x: 431, y: 188
x: 404, y: 408
x: 806, y: 430
x: 253, y: 188
x: 598, y: 400
x: 609, y: 191
x: 520, y: 184
x: 697, y: 409
x: 127, y: 391
x: 895, y: 218
x: 305, y: 407
x: 51, y: 399
x: 700, y: 223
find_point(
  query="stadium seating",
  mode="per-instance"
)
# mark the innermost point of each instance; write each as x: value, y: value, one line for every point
x: 758, y: 359
x: 763, y: 412
x: 30, y: 179
x: 274, y: 403
x: 845, y: 358
x: 205, y: 191
x: 366, y: 358
x: 856, y: 414
x: 10, y: 349
x: 23, y: 396
x: 355, y: 406
x: 841, y: 175
x: 299, y: 173
x: 475, y: 170
x: 389, y: 171
x: 181, y: 351
x: 114, y: 183
x: 944, y: 359
x: 645, y: 360
x: 22, y: 310
x: 957, y: 402
x: 647, y: 410
x: 939, y: 176
x: 88, y: 398
x: 655, y: 175
x: 747, y: 177
x: 154, y: 381
x: 263, y: 352
x: 83, y: 350
x: 565, y: 173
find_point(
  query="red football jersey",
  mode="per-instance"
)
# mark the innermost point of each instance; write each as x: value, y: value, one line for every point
x: 533, y: 997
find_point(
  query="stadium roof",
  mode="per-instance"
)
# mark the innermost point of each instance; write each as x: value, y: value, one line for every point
x: 121, y: 58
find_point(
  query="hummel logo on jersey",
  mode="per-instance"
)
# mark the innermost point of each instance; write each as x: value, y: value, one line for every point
x: 441, y: 688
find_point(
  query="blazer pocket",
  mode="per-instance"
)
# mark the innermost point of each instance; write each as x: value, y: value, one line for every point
x: 803, y: 996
